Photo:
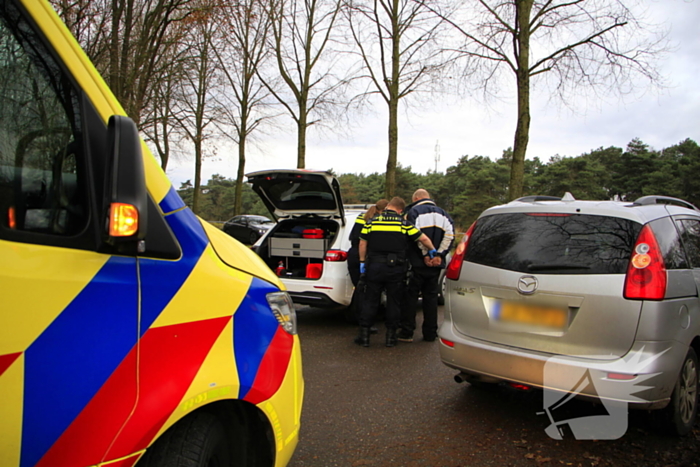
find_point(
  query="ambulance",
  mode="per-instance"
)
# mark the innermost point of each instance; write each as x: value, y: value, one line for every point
x: 132, y: 333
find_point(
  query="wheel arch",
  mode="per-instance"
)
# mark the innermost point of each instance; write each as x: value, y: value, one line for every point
x: 695, y: 344
x: 247, y: 427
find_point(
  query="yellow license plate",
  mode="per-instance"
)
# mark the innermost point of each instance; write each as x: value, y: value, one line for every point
x: 516, y: 312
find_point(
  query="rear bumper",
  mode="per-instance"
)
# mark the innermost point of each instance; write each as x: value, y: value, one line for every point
x: 334, y: 289
x: 315, y: 299
x: 652, y: 369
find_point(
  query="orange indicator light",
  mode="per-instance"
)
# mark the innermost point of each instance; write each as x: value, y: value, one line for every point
x: 124, y: 220
x: 11, y: 219
x: 641, y: 261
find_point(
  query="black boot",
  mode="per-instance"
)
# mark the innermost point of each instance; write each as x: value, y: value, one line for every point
x: 363, y: 337
x: 390, y: 337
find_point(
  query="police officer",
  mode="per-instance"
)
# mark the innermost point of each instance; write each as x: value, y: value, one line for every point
x: 437, y: 225
x: 354, y: 251
x: 383, y: 244
x: 354, y: 254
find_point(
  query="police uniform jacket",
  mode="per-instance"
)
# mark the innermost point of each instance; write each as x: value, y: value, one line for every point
x: 388, y: 234
x: 356, y: 230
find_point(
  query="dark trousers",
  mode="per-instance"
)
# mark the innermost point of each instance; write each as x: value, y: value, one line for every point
x: 381, y: 276
x: 423, y: 282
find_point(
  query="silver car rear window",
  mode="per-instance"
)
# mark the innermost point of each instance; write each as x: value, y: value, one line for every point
x: 550, y: 243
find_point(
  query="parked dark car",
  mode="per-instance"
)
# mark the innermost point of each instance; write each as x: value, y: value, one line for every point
x: 248, y: 228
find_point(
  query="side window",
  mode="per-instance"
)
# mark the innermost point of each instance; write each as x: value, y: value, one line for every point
x: 670, y: 243
x: 690, y: 235
x: 42, y: 176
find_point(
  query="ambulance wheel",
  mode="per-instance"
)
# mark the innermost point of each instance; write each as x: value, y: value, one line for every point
x: 199, y: 440
x: 679, y: 415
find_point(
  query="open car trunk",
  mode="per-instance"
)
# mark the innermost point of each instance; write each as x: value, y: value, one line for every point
x: 295, y: 248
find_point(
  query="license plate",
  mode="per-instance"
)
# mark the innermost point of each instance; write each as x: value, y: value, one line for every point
x: 533, y: 315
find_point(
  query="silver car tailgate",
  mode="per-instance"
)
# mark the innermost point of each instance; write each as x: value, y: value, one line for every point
x: 581, y: 315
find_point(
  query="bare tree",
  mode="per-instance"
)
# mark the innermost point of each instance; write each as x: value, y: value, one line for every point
x: 159, y: 124
x: 579, y: 45
x: 198, y: 107
x: 89, y: 21
x: 243, y: 49
x: 139, y: 39
x: 129, y: 41
x: 397, y: 44
x: 301, y: 31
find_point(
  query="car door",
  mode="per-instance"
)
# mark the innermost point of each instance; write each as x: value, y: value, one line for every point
x: 68, y: 314
x: 243, y: 229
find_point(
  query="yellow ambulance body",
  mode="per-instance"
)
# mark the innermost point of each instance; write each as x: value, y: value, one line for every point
x: 131, y: 332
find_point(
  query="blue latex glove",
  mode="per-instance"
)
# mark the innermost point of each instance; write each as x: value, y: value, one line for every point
x: 363, y: 269
x: 432, y: 254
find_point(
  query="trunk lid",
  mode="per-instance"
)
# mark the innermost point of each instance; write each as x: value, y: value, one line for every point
x: 296, y: 193
x: 548, y: 283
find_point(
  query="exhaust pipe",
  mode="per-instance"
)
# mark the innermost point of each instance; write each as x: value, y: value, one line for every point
x: 460, y: 377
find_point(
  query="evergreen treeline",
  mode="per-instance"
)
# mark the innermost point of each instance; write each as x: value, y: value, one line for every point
x: 476, y: 183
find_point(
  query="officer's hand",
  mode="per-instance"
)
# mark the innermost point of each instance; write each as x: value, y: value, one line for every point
x: 432, y: 253
x: 363, y: 269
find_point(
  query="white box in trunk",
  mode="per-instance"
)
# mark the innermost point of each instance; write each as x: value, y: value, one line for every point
x: 298, y: 247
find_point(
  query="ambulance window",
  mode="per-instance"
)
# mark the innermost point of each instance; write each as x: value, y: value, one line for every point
x: 41, y: 163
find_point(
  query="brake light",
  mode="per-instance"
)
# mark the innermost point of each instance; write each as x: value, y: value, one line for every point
x: 548, y: 214
x: 455, y: 267
x: 646, y: 273
x: 336, y: 255
x: 447, y: 343
x: 621, y: 376
x: 519, y: 387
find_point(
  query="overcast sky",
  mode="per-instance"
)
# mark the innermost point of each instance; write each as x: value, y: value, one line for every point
x: 659, y: 118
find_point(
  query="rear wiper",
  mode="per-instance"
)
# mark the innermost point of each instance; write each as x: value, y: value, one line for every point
x: 555, y: 267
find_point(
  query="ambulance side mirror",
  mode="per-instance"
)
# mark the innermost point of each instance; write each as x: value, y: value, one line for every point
x: 126, y: 197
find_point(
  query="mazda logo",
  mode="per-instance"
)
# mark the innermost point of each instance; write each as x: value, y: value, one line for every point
x: 527, y: 285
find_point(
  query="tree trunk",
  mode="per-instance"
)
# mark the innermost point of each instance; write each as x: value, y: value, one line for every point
x: 390, y: 188
x: 522, y: 130
x: 301, y: 134
x: 238, y: 204
x: 197, y: 174
x: 393, y: 91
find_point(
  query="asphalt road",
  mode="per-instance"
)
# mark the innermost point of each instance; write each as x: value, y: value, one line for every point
x: 400, y: 406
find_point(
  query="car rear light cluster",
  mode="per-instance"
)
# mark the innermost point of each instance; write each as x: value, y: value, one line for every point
x: 336, y: 255
x: 455, y: 267
x: 646, y: 273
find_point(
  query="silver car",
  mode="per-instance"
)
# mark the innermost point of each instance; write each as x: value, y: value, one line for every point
x: 554, y: 293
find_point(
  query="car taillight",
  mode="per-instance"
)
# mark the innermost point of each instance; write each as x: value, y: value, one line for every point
x: 646, y: 273
x: 336, y: 255
x: 455, y: 266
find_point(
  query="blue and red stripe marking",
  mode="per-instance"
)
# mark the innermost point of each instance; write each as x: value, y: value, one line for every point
x: 72, y: 359
x: 261, y: 347
x: 7, y: 360
x: 80, y: 374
